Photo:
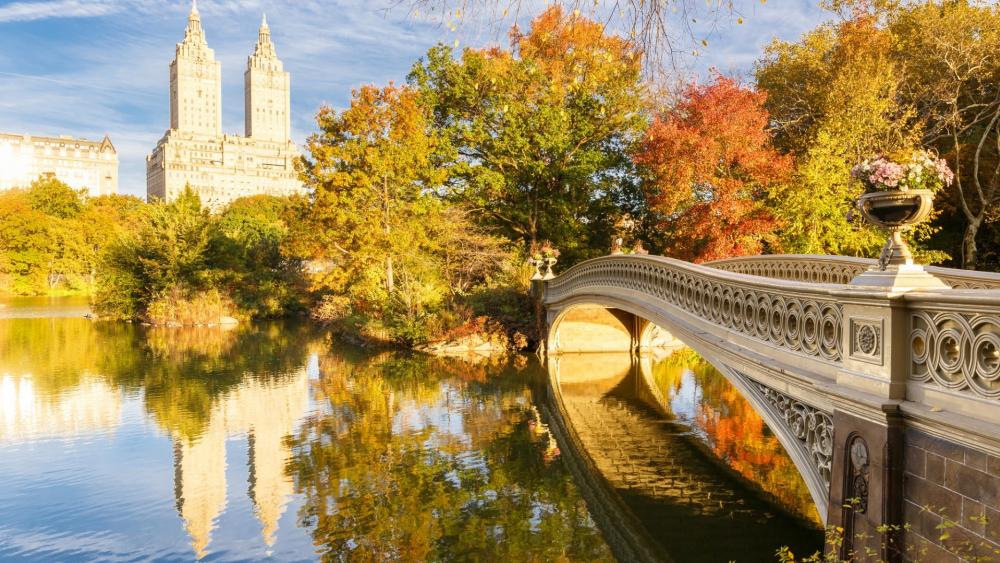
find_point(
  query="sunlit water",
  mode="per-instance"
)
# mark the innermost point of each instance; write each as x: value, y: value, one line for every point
x: 43, y: 307
x: 272, y: 441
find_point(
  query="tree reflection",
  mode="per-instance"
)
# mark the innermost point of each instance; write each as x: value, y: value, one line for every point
x: 733, y: 429
x: 181, y: 372
x: 413, y: 461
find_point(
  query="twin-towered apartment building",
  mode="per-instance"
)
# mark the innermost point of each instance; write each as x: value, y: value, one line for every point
x: 194, y: 151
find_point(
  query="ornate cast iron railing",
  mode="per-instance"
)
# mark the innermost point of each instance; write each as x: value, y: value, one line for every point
x: 955, y: 341
x: 791, y: 315
x: 815, y: 268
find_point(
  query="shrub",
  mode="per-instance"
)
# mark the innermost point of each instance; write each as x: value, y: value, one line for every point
x: 179, y: 308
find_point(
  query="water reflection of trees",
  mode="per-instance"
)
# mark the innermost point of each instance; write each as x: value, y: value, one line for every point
x: 405, y: 457
x: 183, y: 372
x: 180, y: 372
x: 734, y: 430
x: 415, y: 461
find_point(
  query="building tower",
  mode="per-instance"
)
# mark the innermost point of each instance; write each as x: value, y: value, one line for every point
x: 195, y: 82
x: 267, y: 92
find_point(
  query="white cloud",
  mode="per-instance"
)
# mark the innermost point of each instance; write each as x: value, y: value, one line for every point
x: 28, y: 11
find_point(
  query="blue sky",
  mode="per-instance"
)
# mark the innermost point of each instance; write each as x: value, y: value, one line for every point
x: 90, y: 67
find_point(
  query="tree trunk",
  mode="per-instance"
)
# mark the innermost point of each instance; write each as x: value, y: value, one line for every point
x: 390, y: 281
x: 970, y: 256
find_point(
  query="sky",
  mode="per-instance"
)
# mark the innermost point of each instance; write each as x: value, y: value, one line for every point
x: 87, y: 68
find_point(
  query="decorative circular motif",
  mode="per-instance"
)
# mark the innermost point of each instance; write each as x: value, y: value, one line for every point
x: 777, y: 310
x: 867, y: 340
x: 918, y: 346
x: 949, y: 350
x: 987, y: 356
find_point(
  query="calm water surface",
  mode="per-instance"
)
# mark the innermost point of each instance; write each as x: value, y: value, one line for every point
x: 43, y: 307
x: 272, y: 441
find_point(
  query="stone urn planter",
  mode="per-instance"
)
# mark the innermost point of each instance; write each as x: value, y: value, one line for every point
x: 536, y: 263
x: 896, y: 211
x: 549, y: 262
x: 899, y: 193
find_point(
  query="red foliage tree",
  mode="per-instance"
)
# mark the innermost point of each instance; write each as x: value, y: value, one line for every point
x: 709, y: 165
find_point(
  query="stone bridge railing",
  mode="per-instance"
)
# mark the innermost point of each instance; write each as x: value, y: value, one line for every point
x: 950, y: 339
x: 906, y: 378
x: 815, y: 268
x: 799, y: 317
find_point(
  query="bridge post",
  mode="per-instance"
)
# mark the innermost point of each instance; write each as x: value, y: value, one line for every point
x: 866, y: 476
x: 538, y: 304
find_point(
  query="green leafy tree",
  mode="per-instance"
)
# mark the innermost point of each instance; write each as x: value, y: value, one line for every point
x: 174, y: 249
x: 266, y: 276
x: 541, y: 130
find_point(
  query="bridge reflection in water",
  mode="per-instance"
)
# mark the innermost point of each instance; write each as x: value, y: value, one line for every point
x: 670, y: 447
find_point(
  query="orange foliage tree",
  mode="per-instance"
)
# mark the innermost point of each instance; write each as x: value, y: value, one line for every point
x: 708, y: 166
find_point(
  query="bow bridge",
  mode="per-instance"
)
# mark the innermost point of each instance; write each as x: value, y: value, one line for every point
x: 887, y: 398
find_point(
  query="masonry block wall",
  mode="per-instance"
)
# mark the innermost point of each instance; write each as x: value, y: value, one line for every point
x: 951, y: 501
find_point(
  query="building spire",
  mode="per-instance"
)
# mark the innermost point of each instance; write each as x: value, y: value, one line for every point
x: 194, y: 35
x: 264, y: 48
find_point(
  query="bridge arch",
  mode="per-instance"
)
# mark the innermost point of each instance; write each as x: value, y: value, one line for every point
x: 805, y: 431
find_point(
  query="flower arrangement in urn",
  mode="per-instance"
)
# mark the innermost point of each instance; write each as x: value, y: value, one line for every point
x: 543, y: 255
x: 921, y: 170
x: 899, y: 194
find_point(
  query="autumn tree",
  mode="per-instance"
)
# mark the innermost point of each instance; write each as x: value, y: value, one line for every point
x: 373, y: 171
x: 832, y: 98
x: 709, y: 167
x: 542, y: 129
x: 889, y: 76
x: 25, y: 246
x: 376, y: 172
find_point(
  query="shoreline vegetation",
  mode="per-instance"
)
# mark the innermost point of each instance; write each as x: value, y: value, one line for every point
x: 427, y: 199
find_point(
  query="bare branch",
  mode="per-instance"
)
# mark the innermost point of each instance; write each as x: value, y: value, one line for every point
x: 666, y: 31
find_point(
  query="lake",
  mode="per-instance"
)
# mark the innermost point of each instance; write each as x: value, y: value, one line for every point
x: 274, y: 441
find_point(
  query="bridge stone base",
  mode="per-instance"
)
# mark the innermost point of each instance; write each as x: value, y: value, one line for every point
x: 954, y: 491
x: 865, y: 485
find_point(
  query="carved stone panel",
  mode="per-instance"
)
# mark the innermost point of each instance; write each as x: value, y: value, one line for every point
x: 866, y: 340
